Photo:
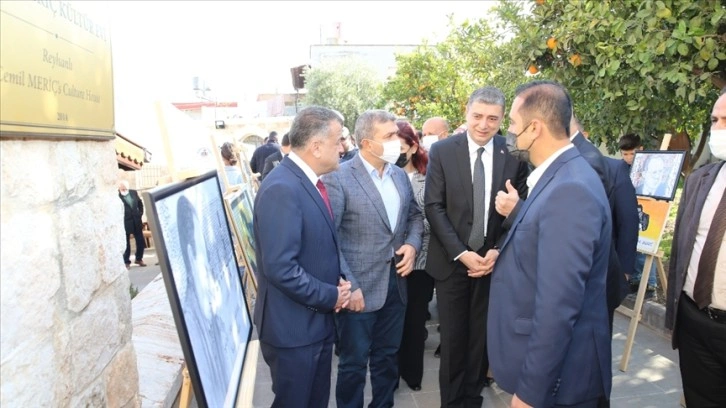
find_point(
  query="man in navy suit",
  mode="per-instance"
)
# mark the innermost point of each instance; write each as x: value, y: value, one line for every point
x: 300, y: 284
x: 380, y: 228
x: 549, y: 342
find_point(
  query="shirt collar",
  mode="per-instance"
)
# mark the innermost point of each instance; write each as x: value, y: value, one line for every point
x: 539, y: 171
x: 304, y: 167
x: 372, y: 170
x: 473, y: 147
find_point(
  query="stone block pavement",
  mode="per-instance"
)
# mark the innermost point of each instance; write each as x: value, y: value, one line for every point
x: 652, y: 378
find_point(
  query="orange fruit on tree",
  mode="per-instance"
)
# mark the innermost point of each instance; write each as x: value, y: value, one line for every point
x: 576, y: 60
x: 551, y: 43
x: 533, y: 69
x: 539, y: 2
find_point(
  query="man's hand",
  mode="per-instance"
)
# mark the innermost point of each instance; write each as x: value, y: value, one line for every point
x: 343, y: 295
x: 490, y: 258
x: 518, y: 403
x: 474, y: 263
x: 357, y: 303
x: 504, y: 202
x: 405, y: 267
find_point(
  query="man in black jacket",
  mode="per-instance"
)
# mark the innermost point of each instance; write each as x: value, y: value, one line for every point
x: 257, y: 163
x: 133, y: 210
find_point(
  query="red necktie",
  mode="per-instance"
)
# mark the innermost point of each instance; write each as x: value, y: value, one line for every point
x: 324, y: 193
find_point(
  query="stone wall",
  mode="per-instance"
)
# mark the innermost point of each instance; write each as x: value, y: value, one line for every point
x: 65, y: 334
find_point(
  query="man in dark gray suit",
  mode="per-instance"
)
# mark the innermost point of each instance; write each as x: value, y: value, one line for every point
x: 696, y: 301
x: 379, y: 228
x: 459, y: 202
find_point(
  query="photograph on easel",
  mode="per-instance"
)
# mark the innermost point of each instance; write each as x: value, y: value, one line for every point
x: 655, y: 173
x: 239, y: 204
x: 201, y: 275
x: 652, y: 215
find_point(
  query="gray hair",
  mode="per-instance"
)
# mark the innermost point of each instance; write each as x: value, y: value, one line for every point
x: 313, y: 121
x: 366, y: 122
x: 489, y: 95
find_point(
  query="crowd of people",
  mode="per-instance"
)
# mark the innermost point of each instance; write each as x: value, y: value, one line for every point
x: 527, y: 239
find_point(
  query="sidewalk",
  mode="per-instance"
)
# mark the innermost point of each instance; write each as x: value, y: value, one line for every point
x: 652, y: 379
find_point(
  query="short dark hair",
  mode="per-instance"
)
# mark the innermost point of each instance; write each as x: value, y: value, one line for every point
x: 272, y: 137
x: 285, y: 140
x: 228, y: 153
x: 313, y: 121
x: 488, y: 95
x: 549, y: 102
x: 631, y: 141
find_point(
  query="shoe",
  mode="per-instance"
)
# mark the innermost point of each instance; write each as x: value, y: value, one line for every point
x: 634, y: 286
x: 128, y: 266
x: 414, y: 387
x: 650, y: 292
x: 437, y: 353
x: 140, y: 263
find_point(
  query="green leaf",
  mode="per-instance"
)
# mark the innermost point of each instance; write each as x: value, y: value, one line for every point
x: 712, y: 64
x: 683, y: 49
x: 663, y: 13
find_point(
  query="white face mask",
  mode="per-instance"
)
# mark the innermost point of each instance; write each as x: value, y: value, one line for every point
x: 123, y: 193
x: 391, y: 150
x: 717, y: 143
x: 429, y: 140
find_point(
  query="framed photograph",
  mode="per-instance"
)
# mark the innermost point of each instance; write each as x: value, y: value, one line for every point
x: 655, y: 173
x: 201, y: 275
x: 240, y: 204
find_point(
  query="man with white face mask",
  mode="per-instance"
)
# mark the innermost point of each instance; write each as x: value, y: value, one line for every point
x: 696, y: 299
x: 379, y: 229
x: 433, y: 130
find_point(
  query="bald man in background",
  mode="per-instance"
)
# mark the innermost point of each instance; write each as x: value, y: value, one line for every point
x: 433, y: 130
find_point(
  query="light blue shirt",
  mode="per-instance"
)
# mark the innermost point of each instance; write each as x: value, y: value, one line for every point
x: 387, y: 189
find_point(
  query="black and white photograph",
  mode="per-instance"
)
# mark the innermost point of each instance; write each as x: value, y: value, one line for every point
x: 200, y: 271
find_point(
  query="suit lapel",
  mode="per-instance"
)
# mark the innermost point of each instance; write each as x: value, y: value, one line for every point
x: 364, y: 179
x: 464, y: 165
x: 539, y: 187
x: 400, y: 184
x: 312, y: 191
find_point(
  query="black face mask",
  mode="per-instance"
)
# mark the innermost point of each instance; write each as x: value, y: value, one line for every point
x: 402, y: 160
x: 519, y: 154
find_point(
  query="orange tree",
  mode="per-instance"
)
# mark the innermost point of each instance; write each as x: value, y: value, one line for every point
x: 644, y: 66
x: 436, y: 80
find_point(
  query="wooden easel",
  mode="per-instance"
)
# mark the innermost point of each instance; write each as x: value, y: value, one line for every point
x: 635, y: 313
x: 246, y: 387
x: 639, y: 299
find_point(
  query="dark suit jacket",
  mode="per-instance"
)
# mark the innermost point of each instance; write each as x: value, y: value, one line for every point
x: 548, y: 334
x: 257, y: 162
x: 617, y: 284
x: 695, y: 191
x: 270, y: 163
x: 448, y: 199
x: 133, y: 213
x: 625, y: 217
x: 297, y: 260
x: 367, y: 241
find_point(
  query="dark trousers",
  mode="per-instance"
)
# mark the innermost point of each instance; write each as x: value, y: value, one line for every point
x: 702, y: 355
x: 463, y: 306
x: 300, y: 375
x: 375, y: 337
x: 140, y: 245
x: 410, y: 356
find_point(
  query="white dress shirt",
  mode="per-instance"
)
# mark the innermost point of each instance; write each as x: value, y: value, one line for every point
x: 537, y: 173
x: 718, y: 297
